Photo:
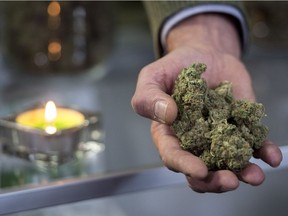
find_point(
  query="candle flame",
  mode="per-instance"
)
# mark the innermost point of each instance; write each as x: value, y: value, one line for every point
x: 50, y: 112
x: 50, y: 116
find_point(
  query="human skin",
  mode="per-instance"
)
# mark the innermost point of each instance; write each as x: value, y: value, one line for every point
x: 211, y: 39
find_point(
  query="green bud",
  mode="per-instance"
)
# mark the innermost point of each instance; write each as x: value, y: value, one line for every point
x: 212, y: 125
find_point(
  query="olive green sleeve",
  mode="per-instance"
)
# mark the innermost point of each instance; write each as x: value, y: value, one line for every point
x: 160, y: 11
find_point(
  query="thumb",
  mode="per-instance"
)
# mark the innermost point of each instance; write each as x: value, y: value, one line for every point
x: 154, y: 104
x: 151, y: 100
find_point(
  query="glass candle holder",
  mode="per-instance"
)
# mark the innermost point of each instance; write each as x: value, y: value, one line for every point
x: 37, y: 145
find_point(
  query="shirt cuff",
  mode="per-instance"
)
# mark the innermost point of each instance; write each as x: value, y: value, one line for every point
x: 207, y: 8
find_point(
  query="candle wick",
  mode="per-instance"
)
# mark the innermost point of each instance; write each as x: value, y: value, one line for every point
x: 50, y: 117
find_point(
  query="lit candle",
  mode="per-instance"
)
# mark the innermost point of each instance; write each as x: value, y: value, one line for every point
x: 51, y: 119
x: 50, y: 116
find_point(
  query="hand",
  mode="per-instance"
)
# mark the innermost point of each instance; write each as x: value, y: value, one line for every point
x: 198, y: 177
x: 199, y: 39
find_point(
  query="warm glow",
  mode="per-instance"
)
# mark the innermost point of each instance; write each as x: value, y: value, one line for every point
x: 51, y: 119
x: 50, y: 116
x: 50, y: 129
x: 54, y: 9
x: 54, y: 51
x: 50, y: 112
x: 54, y: 47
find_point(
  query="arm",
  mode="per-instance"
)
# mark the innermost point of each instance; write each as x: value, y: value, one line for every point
x: 210, y: 38
x: 163, y: 15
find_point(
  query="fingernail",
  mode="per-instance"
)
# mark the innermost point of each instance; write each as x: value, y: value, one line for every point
x: 160, y: 109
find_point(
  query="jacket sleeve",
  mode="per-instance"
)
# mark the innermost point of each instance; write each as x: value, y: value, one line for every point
x: 163, y: 15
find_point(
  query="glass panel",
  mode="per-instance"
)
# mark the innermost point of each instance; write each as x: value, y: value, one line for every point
x: 101, y: 88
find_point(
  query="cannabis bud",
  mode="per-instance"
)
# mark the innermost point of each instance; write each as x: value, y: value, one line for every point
x: 211, y: 124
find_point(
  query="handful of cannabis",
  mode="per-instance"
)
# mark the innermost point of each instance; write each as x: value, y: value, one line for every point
x: 211, y: 124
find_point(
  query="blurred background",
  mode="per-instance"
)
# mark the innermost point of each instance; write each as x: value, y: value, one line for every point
x: 267, y: 20
x: 88, y: 55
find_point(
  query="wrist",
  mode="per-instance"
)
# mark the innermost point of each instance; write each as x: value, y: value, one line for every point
x: 212, y: 31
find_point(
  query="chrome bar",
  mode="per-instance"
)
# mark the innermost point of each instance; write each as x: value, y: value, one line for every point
x: 73, y: 190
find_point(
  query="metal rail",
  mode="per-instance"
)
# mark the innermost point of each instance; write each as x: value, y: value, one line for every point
x: 68, y: 191
x: 73, y: 190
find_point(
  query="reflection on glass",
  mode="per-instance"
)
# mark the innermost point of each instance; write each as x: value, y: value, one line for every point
x: 54, y: 50
x: 54, y: 9
x: 56, y: 37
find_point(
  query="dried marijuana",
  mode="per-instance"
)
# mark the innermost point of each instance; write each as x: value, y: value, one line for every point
x: 211, y: 124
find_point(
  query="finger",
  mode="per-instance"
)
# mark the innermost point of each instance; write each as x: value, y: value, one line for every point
x: 269, y: 153
x: 252, y: 174
x: 151, y: 98
x: 216, y: 182
x: 173, y: 156
x: 235, y: 72
x: 243, y: 91
x: 242, y: 83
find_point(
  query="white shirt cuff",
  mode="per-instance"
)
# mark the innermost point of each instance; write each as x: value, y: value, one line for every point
x: 205, y: 8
